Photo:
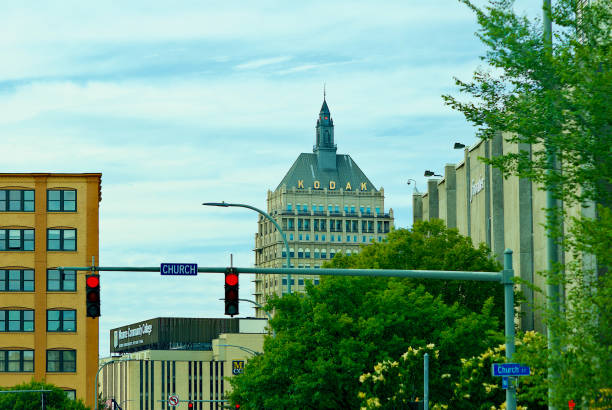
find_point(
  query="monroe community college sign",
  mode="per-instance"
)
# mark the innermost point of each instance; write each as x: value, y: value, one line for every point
x: 131, y: 336
x: 332, y: 185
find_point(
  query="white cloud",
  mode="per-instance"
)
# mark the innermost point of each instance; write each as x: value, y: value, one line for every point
x: 261, y: 62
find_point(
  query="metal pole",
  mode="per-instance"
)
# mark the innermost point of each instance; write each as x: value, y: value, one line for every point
x: 426, y: 381
x: 508, y: 282
x: 265, y: 311
x: 552, y: 287
x: 282, y: 233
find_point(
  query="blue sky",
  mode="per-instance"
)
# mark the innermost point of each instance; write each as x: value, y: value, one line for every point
x: 177, y: 103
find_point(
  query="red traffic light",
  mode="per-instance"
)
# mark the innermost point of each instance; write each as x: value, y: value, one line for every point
x: 93, y: 281
x: 237, y: 406
x: 231, y: 279
x: 190, y: 405
x: 92, y: 295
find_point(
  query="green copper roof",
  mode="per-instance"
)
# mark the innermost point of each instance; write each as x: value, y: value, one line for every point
x: 306, y: 169
x: 324, y: 108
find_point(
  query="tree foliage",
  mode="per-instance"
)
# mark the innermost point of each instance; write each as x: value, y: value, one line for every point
x: 56, y: 399
x: 341, y: 328
x: 393, y: 383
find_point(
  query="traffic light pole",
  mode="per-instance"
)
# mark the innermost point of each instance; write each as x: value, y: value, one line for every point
x: 504, y: 277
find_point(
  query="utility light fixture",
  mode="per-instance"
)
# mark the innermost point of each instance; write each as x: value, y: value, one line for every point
x: 458, y: 145
x: 429, y: 173
x: 415, y: 187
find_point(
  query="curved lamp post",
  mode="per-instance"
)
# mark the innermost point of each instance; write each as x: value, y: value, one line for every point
x: 225, y: 204
x: 415, y: 187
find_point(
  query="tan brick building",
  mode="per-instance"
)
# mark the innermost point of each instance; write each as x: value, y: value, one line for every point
x: 47, y: 221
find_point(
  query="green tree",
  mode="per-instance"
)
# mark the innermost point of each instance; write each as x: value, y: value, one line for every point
x: 557, y: 98
x: 341, y: 328
x: 430, y: 245
x: 56, y: 399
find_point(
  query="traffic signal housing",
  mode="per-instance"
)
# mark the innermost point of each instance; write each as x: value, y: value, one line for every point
x: 231, y: 291
x: 92, y: 295
x: 190, y: 406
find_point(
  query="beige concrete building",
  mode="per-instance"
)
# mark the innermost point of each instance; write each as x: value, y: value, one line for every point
x: 502, y: 213
x: 325, y: 205
x: 46, y: 221
x: 145, y: 378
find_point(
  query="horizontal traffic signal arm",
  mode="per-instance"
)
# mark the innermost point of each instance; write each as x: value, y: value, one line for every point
x: 422, y: 274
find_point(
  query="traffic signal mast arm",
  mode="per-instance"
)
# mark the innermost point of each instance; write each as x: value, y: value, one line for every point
x: 421, y: 274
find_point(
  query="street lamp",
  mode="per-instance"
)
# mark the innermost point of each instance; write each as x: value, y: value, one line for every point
x: 244, y: 349
x: 429, y: 173
x: 458, y: 145
x: 225, y: 205
x: 415, y: 187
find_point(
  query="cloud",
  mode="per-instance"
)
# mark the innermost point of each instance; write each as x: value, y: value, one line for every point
x: 261, y: 63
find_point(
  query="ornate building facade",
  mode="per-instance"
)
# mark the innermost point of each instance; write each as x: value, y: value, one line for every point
x: 326, y: 205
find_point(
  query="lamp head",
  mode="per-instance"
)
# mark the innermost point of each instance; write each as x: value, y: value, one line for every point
x: 458, y: 145
x: 215, y: 204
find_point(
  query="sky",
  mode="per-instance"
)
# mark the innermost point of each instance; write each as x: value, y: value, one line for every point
x: 179, y: 103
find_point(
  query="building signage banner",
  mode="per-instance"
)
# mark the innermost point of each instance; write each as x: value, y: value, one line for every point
x: 135, y: 335
x: 477, y: 186
x: 237, y: 367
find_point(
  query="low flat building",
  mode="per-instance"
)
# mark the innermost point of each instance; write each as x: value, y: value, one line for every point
x: 189, y: 358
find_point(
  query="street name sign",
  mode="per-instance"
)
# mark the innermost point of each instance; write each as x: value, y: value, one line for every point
x: 179, y: 269
x: 510, y: 369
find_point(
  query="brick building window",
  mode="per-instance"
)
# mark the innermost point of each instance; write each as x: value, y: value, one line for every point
x: 16, y: 360
x: 61, y: 200
x: 16, y: 200
x: 61, y: 239
x: 16, y: 320
x: 61, y: 282
x: 61, y: 320
x: 16, y: 280
x: 16, y: 239
x: 61, y: 360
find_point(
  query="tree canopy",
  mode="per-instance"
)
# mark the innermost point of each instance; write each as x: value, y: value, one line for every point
x: 341, y: 328
x: 56, y: 399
